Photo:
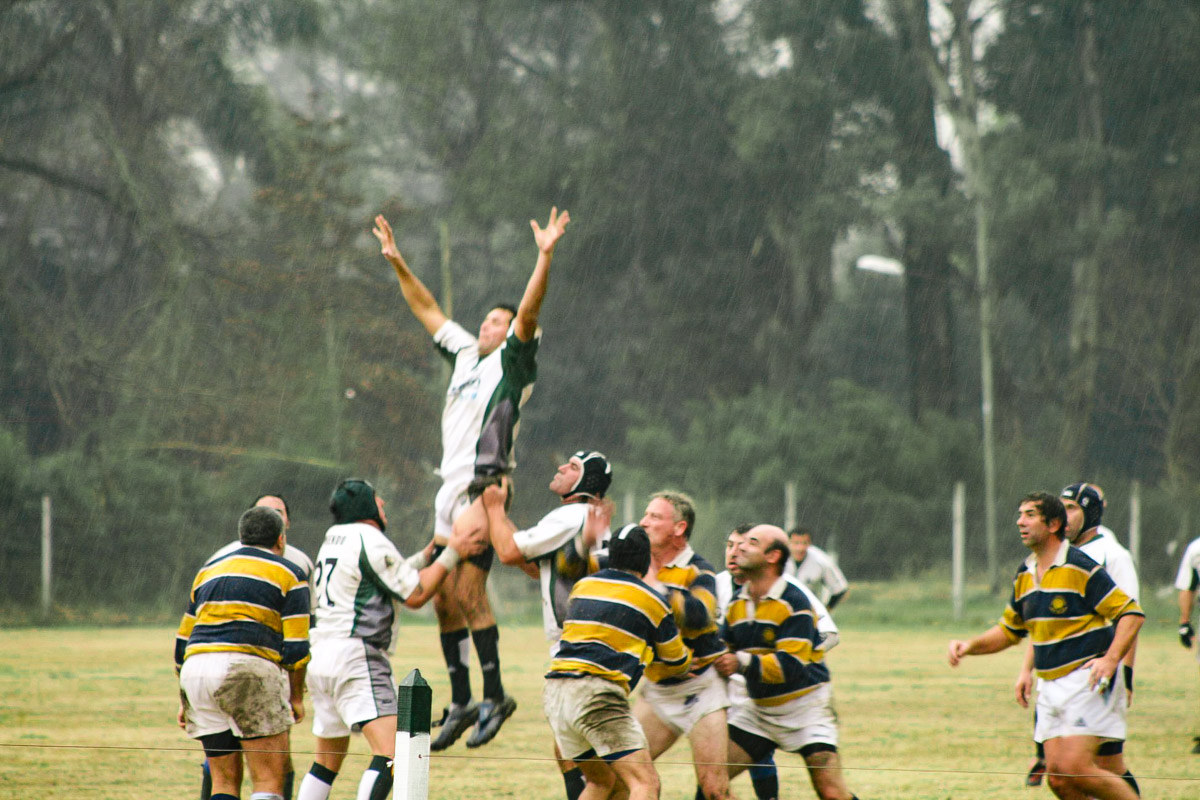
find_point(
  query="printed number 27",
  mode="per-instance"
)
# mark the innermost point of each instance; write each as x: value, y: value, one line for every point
x: 324, y: 576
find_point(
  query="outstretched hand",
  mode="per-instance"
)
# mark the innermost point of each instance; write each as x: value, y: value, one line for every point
x: 548, y: 237
x: 387, y: 239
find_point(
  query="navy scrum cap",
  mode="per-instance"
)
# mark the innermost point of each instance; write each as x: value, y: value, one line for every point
x: 1090, y: 498
x: 595, y: 474
x: 354, y: 500
x: 629, y: 548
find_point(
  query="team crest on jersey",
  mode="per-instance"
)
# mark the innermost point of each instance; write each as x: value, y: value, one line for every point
x: 768, y: 636
x: 1058, y: 605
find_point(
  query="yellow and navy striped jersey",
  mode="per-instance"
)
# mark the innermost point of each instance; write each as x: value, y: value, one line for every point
x: 692, y: 594
x: 780, y: 632
x: 1069, y: 615
x: 248, y: 600
x: 616, y: 625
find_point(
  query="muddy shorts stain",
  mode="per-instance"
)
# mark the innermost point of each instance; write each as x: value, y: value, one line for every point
x: 254, y: 694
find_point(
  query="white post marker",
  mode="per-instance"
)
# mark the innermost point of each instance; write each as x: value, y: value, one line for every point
x: 789, y: 505
x: 47, y: 548
x: 1135, y: 523
x: 957, y: 548
x: 414, y: 700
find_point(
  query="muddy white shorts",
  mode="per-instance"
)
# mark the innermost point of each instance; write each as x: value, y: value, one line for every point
x: 236, y: 692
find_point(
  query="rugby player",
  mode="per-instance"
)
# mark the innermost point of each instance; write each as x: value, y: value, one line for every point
x: 615, y: 624
x: 778, y: 633
x: 558, y: 548
x: 1084, y: 504
x: 1081, y: 625
x: 691, y: 705
x: 492, y: 377
x: 815, y: 568
x: 240, y: 654
x: 359, y: 575
x: 296, y: 556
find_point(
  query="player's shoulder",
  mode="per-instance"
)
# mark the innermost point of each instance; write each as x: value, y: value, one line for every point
x: 1192, y: 553
x: 701, y: 563
x: 1077, y: 557
x: 567, y: 513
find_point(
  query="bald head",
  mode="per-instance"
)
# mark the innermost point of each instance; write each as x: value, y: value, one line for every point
x: 764, y: 548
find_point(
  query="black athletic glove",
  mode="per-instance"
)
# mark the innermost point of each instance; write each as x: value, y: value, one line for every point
x: 1186, y: 634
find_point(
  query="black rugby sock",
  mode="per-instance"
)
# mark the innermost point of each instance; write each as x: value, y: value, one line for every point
x: 1128, y: 778
x: 573, y: 780
x: 456, y: 651
x: 487, y: 647
x: 317, y: 783
x: 378, y: 777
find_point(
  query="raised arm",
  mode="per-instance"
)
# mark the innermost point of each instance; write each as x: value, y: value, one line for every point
x: 424, y: 307
x: 525, y: 324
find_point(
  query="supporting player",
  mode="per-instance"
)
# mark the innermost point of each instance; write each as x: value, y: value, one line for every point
x: 359, y: 576
x: 240, y: 654
x: 692, y: 705
x: 815, y: 568
x: 1084, y: 504
x: 558, y: 547
x: 1187, y: 581
x: 492, y: 378
x: 1082, y: 625
x: 297, y: 557
x: 764, y: 777
x: 615, y: 624
x: 778, y: 633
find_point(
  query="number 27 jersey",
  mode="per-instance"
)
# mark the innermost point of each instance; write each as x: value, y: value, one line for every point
x: 358, y: 575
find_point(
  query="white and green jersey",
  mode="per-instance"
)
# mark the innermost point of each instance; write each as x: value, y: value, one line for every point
x: 483, y: 402
x: 357, y: 576
x: 554, y: 545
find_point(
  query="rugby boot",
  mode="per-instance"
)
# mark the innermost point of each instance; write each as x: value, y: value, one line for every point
x: 455, y: 721
x: 1036, y: 773
x: 1196, y: 747
x: 492, y: 714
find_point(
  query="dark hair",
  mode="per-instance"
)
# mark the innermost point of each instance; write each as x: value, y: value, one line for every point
x: 1050, y: 508
x: 781, y: 547
x: 741, y: 530
x: 286, y: 509
x: 800, y: 530
x: 685, y: 508
x: 260, y: 526
x: 509, y: 307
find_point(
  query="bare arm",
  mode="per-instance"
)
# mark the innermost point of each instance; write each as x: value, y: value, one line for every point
x: 296, y: 692
x: 525, y: 323
x: 462, y: 543
x: 992, y: 641
x: 424, y: 307
x: 500, y: 527
x: 1024, y: 686
x: 1105, y: 667
x: 1187, y: 598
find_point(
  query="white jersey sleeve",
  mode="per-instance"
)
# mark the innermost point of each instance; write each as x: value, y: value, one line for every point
x: 1106, y: 551
x: 724, y: 593
x: 553, y: 531
x: 452, y: 337
x: 1188, y: 578
x: 826, y: 628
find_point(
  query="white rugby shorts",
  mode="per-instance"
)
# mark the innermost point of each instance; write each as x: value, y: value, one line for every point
x: 236, y: 692
x: 1067, y: 707
x: 681, y: 705
x: 587, y: 713
x: 451, y: 501
x: 808, y: 719
x: 351, y: 683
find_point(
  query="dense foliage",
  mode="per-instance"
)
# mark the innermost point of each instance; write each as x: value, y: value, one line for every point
x: 193, y: 308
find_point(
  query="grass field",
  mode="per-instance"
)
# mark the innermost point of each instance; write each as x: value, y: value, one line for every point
x: 89, y: 713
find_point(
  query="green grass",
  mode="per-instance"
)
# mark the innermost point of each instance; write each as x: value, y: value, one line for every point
x: 89, y: 713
